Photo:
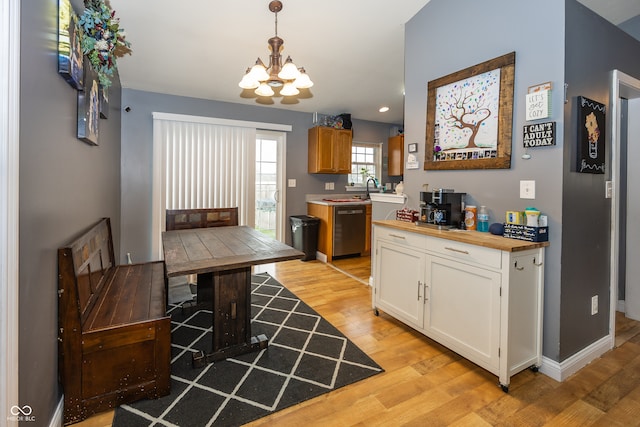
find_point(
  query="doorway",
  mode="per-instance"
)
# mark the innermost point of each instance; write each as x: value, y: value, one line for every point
x: 270, y: 194
x: 625, y: 178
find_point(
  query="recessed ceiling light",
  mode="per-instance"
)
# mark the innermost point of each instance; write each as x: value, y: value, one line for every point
x: 383, y: 109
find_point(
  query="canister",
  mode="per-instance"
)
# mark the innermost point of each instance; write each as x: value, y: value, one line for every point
x: 470, y: 217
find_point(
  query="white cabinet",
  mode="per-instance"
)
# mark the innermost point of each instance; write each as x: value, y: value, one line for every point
x: 484, y: 303
x: 404, y: 267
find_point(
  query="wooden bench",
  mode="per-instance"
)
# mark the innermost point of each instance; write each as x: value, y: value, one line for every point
x: 114, y: 335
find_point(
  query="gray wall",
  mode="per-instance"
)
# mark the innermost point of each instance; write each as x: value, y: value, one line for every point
x: 137, y: 147
x: 632, y: 26
x: 65, y: 186
x: 434, y: 48
x: 586, y: 212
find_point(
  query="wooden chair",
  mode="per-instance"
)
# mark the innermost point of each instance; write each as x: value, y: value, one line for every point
x: 182, y: 219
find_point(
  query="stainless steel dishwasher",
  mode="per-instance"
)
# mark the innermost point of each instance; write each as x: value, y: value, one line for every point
x: 349, y: 229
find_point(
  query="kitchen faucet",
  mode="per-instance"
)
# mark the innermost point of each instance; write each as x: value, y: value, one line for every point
x: 375, y: 183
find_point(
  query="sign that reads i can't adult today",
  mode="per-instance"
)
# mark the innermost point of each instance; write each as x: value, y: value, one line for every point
x: 539, y: 135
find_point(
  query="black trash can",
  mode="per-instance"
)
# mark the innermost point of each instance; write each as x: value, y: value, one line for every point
x: 304, y: 235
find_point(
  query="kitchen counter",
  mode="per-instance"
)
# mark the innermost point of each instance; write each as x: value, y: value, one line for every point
x: 478, y: 238
x: 340, y: 201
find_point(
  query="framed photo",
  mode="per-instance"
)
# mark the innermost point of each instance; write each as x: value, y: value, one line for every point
x: 70, y: 58
x: 591, y: 134
x: 469, y: 117
x: 413, y: 147
x: 89, y: 106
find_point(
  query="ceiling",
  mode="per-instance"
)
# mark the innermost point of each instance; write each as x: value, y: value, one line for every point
x: 353, y: 50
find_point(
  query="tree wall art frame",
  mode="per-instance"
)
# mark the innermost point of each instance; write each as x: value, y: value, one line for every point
x: 469, y: 117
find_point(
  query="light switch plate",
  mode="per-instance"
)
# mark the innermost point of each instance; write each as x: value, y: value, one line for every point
x: 292, y: 182
x: 329, y: 186
x: 527, y: 189
x: 608, y: 189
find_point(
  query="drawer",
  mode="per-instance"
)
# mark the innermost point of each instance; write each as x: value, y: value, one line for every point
x: 400, y: 237
x: 465, y: 252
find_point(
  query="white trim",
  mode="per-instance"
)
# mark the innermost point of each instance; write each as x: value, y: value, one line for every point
x: 619, y: 81
x: 560, y: 371
x: 57, y: 419
x: 9, y: 198
x: 221, y: 122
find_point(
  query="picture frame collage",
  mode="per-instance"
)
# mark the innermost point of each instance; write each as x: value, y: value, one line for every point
x: 76, y: 69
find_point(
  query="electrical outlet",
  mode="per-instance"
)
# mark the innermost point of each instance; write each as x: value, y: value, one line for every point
x: 594, y: 305
x: 329, y: 186
x: 527, y: 189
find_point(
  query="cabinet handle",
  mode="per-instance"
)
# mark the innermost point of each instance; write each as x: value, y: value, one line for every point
x: 519, y: 268
x: 457, y: 250
x: 537, y: 264
x: 424, y: 292
x: 419, y: 285
x: 398, y: 236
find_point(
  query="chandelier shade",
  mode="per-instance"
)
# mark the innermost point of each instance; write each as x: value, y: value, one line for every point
x: 288, y: 77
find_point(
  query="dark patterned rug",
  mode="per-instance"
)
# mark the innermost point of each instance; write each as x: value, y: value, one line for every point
x: 306, y: 357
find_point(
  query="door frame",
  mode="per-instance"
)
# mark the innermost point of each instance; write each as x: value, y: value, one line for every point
x: 281, y: 177
x: 9, y: 204
x: 627, y: 87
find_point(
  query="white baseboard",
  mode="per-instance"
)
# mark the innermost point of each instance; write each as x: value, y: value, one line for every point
x: 321, y: 257
x: 620, y: 306
x: 56, y: 420
x: 560, y: 371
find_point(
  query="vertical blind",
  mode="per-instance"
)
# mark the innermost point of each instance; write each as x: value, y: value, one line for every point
x: 209, y: 166
x: 202, y: 162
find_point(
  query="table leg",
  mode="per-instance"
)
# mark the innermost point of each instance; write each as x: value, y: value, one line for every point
x: 231, y: 317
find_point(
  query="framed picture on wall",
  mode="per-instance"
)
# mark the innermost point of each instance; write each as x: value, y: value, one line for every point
x: 70, y: 58
x: 89, y: 106
x: 469, y: 117
x: 591, y: 127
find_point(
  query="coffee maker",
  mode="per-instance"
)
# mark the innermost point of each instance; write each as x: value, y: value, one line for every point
x: 442, y: 208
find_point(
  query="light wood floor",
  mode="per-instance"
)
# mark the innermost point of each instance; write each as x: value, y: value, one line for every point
x: 424, y: 384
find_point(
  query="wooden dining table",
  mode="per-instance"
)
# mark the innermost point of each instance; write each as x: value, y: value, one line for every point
x: 222, y: 258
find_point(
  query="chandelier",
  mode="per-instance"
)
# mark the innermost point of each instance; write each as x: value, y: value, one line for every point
x: 288, y: 77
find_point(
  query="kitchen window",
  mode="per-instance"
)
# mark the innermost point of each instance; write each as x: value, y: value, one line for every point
x: 365, y: 156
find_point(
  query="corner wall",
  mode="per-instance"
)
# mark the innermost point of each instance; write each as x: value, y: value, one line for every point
x: 594, y: 48
x: 450, y: 35
x: 65, y: 186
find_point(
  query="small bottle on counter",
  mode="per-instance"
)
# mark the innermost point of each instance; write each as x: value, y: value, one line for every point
x: 470, y: 213
x: 483, y: 219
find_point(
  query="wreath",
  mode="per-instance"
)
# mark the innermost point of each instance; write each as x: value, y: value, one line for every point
x: 103, y: 40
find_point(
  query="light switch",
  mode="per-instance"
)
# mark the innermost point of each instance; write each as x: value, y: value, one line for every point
x: 292, y: 182
x: 329, y: 186
x: 527, y: 189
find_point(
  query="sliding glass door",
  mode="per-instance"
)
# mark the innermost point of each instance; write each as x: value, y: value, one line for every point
x: 269, y: 196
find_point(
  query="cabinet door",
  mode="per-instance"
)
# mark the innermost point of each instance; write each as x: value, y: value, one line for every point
x: 463, y: 309
x: 342, y: 151
x: 396, y: 155
x: 321, y: 142
x: 399, y: 282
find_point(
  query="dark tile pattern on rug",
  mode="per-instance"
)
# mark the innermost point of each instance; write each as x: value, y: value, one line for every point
x: 306, y: 357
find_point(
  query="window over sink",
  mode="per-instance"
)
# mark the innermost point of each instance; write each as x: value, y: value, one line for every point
x: 365, y: 156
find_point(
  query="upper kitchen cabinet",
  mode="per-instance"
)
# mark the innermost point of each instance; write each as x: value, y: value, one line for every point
x: 329, y: 150
x: 396, y: 155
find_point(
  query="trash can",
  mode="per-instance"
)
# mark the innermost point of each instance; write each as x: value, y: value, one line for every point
x: 304, y: 235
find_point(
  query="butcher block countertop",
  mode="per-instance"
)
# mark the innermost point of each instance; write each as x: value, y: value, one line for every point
x: 478, y: 238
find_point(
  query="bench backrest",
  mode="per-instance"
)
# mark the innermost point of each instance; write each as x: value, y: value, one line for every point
x: 181, y: 219
x: 84, y: 266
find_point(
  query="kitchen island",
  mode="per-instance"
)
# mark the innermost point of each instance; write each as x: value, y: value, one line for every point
x: 478, y: 294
